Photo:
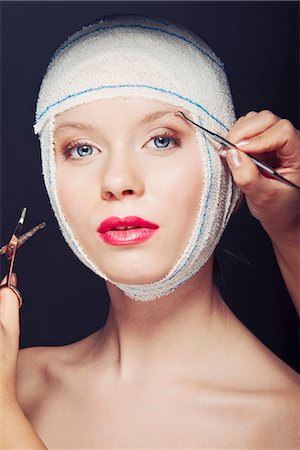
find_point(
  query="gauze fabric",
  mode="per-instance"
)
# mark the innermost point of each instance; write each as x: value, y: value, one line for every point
x: 132, y: 56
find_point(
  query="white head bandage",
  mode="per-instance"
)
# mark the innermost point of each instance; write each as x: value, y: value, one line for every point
x: 131, y: 56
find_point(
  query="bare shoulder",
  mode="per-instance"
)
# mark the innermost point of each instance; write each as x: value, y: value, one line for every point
x: 31, y: 375
x: 276, y: 418
x: 272, y: 395
x: 281, y: 406
x: 41, y: 369
x: 254, y: 365
x: 36, y: 374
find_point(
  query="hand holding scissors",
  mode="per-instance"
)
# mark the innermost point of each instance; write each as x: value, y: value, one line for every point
x: 10, y: 250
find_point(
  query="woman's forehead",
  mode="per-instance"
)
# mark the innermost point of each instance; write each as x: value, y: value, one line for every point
x: 138, y: 110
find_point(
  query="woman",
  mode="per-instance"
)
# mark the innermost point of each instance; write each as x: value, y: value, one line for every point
x: 142, y: 199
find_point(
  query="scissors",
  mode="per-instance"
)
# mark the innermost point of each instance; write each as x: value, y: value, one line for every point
x: 226, y: 145
x: 10, y: 250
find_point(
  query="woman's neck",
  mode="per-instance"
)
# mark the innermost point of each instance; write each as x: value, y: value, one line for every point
x: 174, y: 332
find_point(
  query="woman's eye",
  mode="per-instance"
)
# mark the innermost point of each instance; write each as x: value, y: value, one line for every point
x: 83, y: 150
x: 78, y: 151
x: 162, y: 142
x: 165, y: 141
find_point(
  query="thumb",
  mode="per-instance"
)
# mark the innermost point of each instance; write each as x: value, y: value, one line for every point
x: 9, y: 308
x: 246, y: 174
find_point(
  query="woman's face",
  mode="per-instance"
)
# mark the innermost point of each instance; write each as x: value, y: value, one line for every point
x: 128, y: 158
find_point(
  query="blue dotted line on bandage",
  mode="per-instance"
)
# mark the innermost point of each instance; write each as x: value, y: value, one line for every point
x: 144, y: 27
x: 205, y: 208
x: 165, y: 91
x: 205, y: 140
x: 202, y: 223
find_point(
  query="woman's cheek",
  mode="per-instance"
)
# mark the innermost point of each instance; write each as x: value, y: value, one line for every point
x: 72, y: 192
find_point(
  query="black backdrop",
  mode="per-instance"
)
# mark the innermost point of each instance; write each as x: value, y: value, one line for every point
x: 63, y: 300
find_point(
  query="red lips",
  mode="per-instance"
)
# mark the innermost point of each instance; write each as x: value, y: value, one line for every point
x: 125, y: 231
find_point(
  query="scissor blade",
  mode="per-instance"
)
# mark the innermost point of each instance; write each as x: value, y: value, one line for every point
x: 18, y: 229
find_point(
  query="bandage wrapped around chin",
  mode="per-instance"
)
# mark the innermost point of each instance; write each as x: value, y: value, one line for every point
x: 131, y: 56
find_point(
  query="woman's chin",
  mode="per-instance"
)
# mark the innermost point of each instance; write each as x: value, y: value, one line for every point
x: 134, y: 277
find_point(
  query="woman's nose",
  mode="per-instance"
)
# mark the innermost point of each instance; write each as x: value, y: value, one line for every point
x: 121, y: 178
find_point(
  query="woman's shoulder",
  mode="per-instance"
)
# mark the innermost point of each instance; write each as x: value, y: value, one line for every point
x: 254, y: 392
x: 272, y: 403
x: 269, y: 390
x: 33, y: 363
x: 253, y: 365
x: 39, y: 370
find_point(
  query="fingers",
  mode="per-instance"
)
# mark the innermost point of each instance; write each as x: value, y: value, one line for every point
x: 249, y: 114
x: 9, y: 308
x: 275, y: 139
x: 248, y: 178
x: 250, y: 125
x: 283, y: 138
x: 277, y: 142
x: 9, y: 340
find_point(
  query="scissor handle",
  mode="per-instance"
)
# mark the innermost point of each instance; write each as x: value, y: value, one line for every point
x: 15, y: 290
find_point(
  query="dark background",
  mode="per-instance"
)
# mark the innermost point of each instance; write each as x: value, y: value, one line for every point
x: 63, y: 300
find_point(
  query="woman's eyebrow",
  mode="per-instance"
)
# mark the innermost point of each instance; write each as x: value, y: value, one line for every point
x: 76, y: 125
x: 88, y: 127
x: 155, y: 115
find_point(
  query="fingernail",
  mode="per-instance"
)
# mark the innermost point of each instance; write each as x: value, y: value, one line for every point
x: 222, y: 152
x: 242, y: 144
x: 233, y: 158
